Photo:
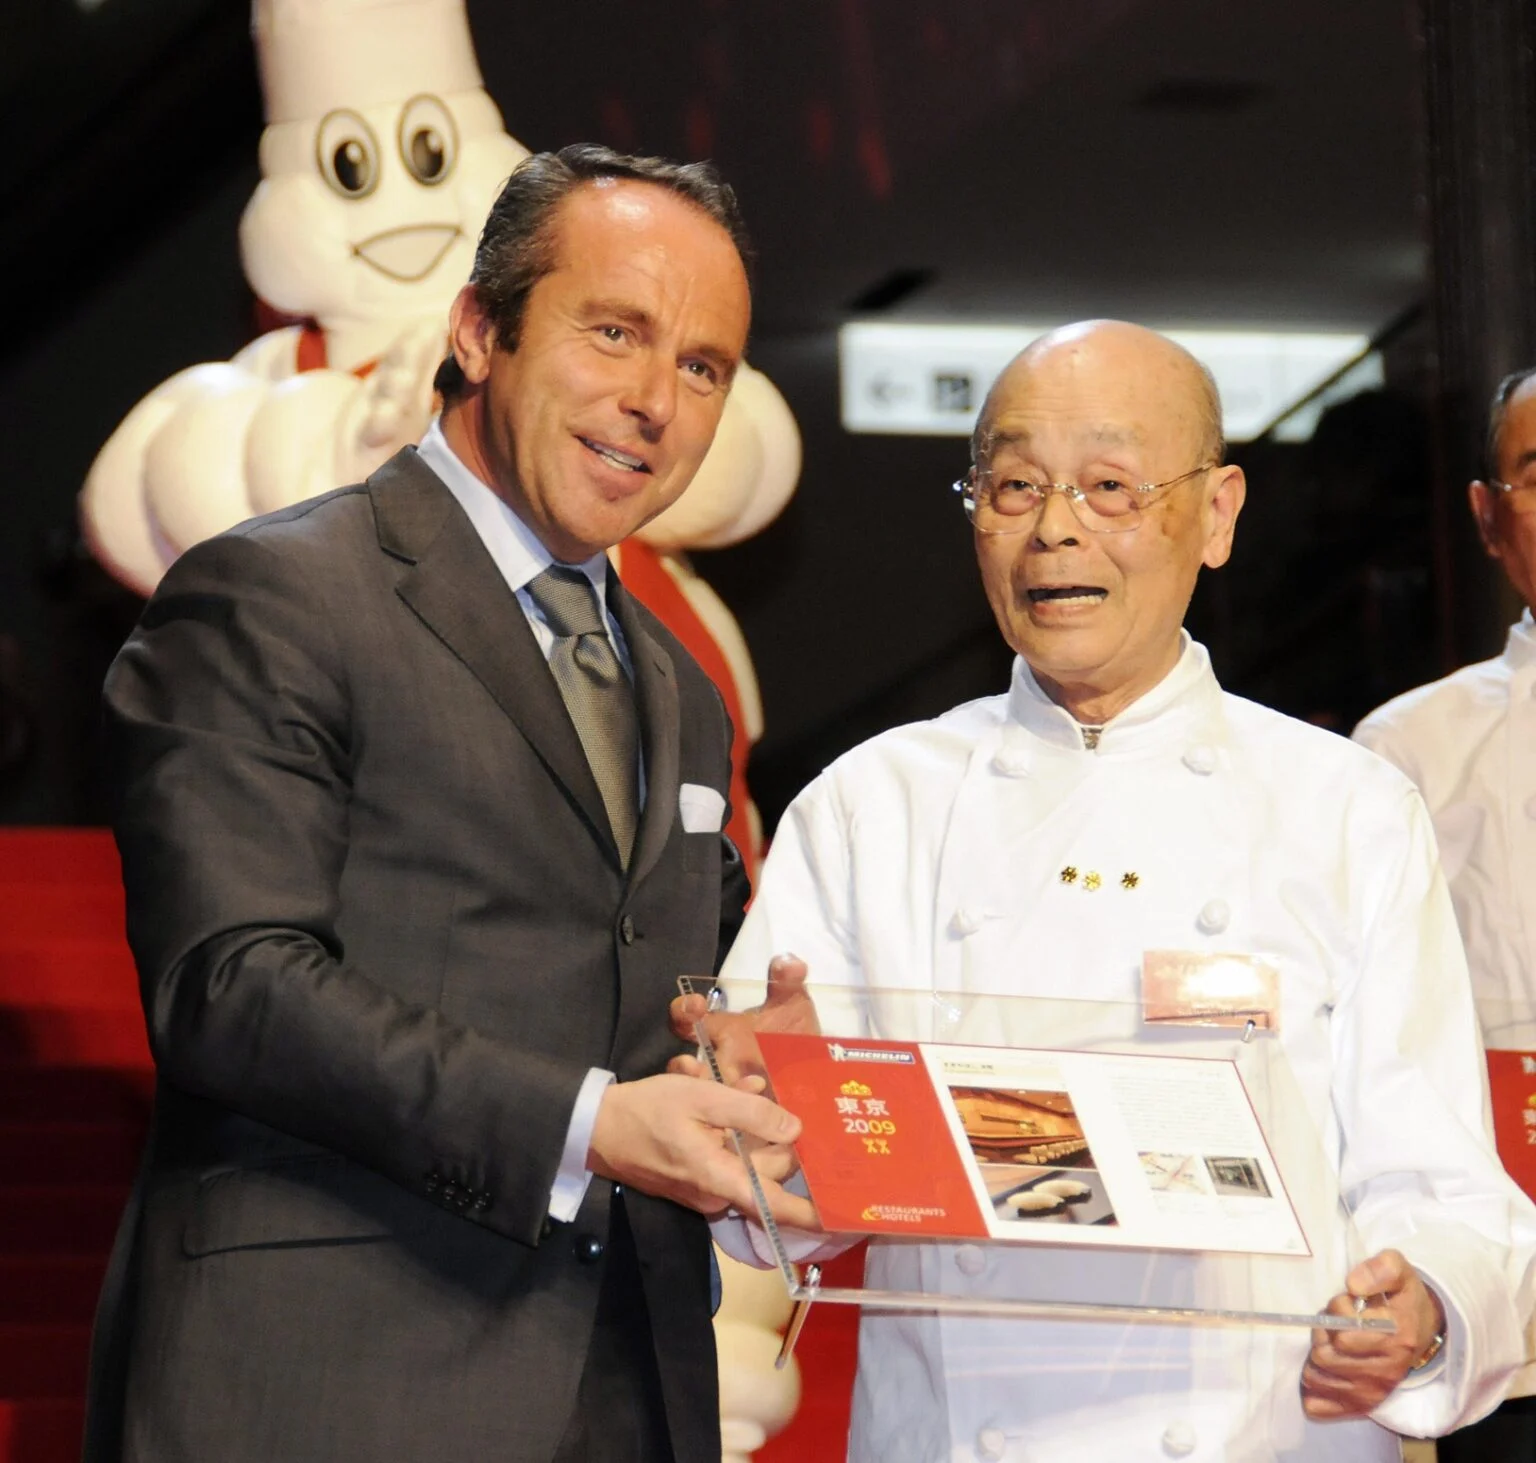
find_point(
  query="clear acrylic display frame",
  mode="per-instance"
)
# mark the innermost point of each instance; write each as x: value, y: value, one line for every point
x: 1301, y: 1285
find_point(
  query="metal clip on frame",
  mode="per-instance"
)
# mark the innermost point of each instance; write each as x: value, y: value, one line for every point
x: 798, y: 1317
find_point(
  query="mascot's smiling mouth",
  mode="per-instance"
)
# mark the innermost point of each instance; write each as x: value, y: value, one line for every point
x: 408, y: 253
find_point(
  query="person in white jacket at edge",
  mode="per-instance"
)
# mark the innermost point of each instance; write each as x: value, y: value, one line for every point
x: 936, y: 854
x: 1469, y: 744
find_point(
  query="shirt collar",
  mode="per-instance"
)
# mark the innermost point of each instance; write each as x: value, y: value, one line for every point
x: 1520, y: 647
x: 518, y: 551
x: 1182, y: 706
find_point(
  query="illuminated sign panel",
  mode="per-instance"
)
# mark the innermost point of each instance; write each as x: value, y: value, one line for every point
x: 930, y: 380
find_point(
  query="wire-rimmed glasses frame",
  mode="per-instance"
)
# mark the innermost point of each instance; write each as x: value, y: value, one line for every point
x: 1521, y: 497
x: 1099, y: 509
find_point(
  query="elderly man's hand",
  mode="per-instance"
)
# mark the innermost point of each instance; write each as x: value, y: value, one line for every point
x: 670, y: 1136
x: 1351, y: 1373
x: 787, y: 1007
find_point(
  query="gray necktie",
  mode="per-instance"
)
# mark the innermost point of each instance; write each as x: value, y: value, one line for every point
x: 597, y: 693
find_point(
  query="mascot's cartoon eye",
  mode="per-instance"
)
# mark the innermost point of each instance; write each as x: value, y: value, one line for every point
x: 347, y: 154
x: 429, y: 142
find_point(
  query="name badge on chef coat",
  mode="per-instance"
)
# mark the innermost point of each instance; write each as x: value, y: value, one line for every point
x: 1200, y: 988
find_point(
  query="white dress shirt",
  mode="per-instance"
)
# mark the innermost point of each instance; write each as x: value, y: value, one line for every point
x: 521, y: 557
x: 931, y: 858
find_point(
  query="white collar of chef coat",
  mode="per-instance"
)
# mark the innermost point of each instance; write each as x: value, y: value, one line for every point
x: 1182, y: 708
x: 1520, y: 648
x: 518, y: 551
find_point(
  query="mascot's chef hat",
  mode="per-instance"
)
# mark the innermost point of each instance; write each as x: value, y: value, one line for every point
x: 318, y: 55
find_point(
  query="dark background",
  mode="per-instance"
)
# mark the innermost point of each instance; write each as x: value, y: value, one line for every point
x: 1177, y: 162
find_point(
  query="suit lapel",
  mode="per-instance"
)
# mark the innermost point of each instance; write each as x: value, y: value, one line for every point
x: 660, y: 729
x: 453, y: 585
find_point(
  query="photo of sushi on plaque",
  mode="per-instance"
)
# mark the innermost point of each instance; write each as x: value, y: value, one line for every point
x: 1034, y: 1159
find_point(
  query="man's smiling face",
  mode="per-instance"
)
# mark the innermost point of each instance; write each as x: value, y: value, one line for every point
x: 600, y: 417
x: 1097, y: 615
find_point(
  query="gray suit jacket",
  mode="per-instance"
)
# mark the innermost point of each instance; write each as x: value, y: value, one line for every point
x: 382, y: 933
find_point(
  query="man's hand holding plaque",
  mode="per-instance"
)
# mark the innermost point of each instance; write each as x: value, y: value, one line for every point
x: 732, y: 1036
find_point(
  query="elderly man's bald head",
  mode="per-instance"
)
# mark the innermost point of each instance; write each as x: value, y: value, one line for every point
x: 1118, y: 348
x: 1097, y: 501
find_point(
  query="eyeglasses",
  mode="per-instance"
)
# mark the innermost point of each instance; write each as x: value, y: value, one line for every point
x: 996, y: 502
x: 1521, y: 496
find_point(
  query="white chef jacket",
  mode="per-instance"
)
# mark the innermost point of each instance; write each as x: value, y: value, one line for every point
x: 1469, y: 744
x: 930, y: 858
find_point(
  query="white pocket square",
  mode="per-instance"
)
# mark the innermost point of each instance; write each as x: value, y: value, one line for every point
x: 701, y: 808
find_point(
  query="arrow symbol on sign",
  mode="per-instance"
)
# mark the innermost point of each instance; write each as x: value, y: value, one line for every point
x: 885, y: 391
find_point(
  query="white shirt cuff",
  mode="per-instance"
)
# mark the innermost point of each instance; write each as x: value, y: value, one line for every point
x: 570, y: 1186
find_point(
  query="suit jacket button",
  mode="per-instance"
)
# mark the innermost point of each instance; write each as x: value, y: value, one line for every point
x: 627, y: 930
x: 589, y: 1249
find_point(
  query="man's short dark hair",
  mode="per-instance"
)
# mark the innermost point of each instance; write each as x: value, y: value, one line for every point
x: 517, y: 244
x: 1497, y: 409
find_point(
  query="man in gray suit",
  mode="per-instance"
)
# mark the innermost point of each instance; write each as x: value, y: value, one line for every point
x: 420, y: 820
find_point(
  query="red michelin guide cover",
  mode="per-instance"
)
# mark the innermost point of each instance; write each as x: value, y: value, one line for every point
x: 1512, y: 1087
x: 876, y: 1147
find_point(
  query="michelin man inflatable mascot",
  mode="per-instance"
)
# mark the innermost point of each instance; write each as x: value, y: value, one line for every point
x: 380, y: 159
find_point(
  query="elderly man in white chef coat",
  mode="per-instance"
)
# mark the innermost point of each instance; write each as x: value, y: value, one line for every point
x: 940, y: 849
x: 1469, y: 743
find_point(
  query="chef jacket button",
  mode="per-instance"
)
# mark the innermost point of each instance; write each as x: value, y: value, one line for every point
x: 971, y: 1259
x: 1011, y: 762
x: 1201, y: 759
x: 965, y: 921
x: 1179, y: 1439
x: 991, y: 1444
x: 1530, y: 806
x: 1214, y: 916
